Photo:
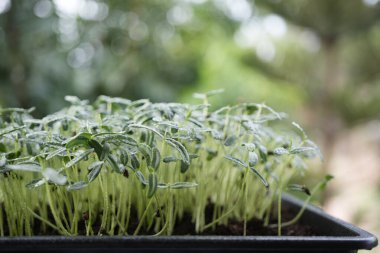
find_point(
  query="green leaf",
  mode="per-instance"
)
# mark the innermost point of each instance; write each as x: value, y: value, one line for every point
x: 252, y: 159
x: 230, y: 141
x: 280, y: 151
x: 146, y: 152
x: 140, y: 177
x: 263, y: 152
x: 79, y: 158
x: 113, y: 163
x: 181, y: 149
x: 77, y: 186
x: 124, y: 157
x: 236, y: 161
x: 265, y: 182
x: 33, y: 167
x: 184, y: 166
x: 35, y: 183
x: 105, y: 151
x: 121, y: 138
x: 135, y: 162
x: 299, y: 188
x: 304, y: 136
x: 81, y: 139
x: 97, y: 147
x: 94, y: 169
x: 302, y: 150
x: 162, y: 186
x: 146, y: 127
x: 54, y: 177
x: 156, y: 158
x: 152, y: 184
x: 55, y: 153
x: 182, y: 185
x: 170, y: 159
x: 325, y: 181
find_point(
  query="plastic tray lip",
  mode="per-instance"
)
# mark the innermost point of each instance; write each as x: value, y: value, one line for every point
x: 361, y: 240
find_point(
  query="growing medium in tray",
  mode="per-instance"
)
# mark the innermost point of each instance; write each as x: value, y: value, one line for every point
x: 121, y: 167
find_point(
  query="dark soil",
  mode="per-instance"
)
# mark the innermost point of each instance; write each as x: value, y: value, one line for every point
x: 254, y: 227
x: 186, y: 227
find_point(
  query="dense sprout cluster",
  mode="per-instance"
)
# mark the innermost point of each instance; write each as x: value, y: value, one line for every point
x: 125, y: 166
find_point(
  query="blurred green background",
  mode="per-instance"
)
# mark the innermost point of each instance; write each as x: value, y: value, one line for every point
x: 318, y: 61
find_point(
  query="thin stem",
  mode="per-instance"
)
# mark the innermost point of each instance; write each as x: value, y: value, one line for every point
x: 104, y: 189
x: 45, y: 221
x: 230, y: 210
x: 143, y: 217
x: 54, y: 212
x: 279, y: 213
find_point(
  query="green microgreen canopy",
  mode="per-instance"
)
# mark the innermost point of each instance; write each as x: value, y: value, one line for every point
x: 118, y: 160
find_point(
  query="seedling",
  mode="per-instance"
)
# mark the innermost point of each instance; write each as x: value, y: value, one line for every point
x: 122, y: 167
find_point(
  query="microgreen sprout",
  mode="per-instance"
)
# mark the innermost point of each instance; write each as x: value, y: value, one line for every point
x: 116, y: 160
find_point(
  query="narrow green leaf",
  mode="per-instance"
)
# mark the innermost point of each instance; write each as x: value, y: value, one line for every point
x: 302, y: 150
x: 96, y: 146
x: 236, y: 161
x: 304, y: 136
x: 280, y: 151
x: 170, y: 159
x: 77, y: 186
x: 135, y: 162
x: 152, y: 184
x: 263, y: 152
x: 124, y: 157
x: 79, y: 158
x: 35, y: 183
x: 182, y: 185
x: 181, y: 149
x: 105, y: 151
x: 141, y: 177
x: 33, y: 167
x: 299, y: 188
x: 111, y: 159
x: 146, y: 152
x: 265, y: 182
x: 95, y: 169
x: 81, y: 139
x: 146, y: 127
x: 184, y: 166
x: 156, y: 158
x: 162, y: 186
x: 55, y: 153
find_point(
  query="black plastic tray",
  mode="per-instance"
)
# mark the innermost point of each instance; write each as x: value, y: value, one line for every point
x: 338, y: 237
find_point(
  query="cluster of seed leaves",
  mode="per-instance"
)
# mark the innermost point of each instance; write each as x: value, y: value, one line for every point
x: 121, y: 136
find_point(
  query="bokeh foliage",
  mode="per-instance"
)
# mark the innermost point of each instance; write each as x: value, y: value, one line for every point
x: 327, y: 53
